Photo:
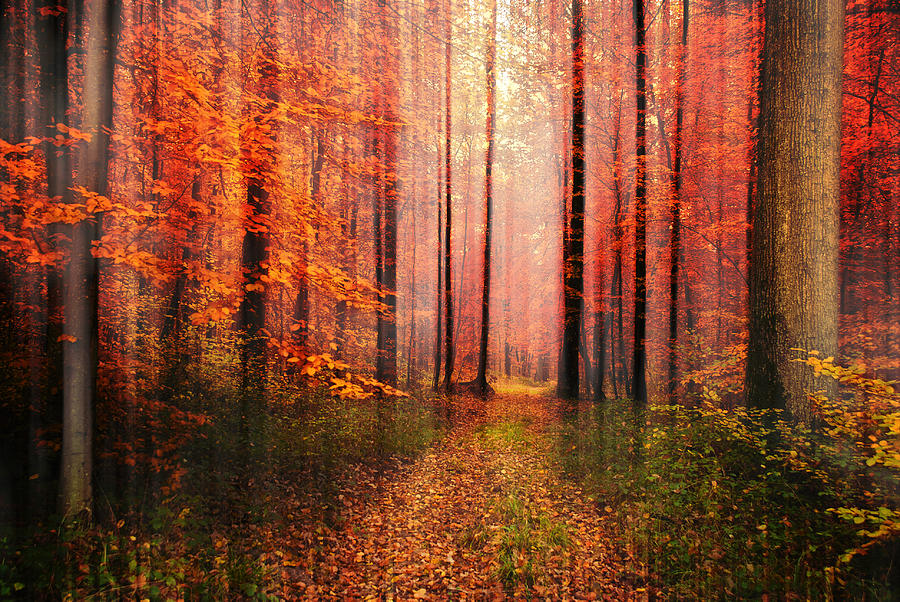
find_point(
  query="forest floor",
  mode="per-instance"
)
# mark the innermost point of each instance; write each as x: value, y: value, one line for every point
x: 483, y: 515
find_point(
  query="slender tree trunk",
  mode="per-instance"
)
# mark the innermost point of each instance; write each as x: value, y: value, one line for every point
x: 753, y: 121
x: 599, y: 328
x: 438, y: 303
x: 301, y: 301
x: 172, y: 320
x: 619, y: 234
x: 507, y: 269
x: 562, y: 176
x: 348, y: 229
x: 675, y: 242
x: 573, y: 294
x: 448, y: 217
x: 461, y: 273
x: 387, y: 331
x: 481, y: 378
x: 640, y: 210
x: 794, y: 258
x: 411, y: 353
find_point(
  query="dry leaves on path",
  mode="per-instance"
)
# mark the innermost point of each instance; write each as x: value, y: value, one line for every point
x: 483, y: 515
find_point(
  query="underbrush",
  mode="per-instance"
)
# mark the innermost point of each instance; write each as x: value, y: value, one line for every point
x: 714, y: 503
x: 206, y: 525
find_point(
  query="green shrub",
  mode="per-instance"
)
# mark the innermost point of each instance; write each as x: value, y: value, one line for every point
x: 737, y: 503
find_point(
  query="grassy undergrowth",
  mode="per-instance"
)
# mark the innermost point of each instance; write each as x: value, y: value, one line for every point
x: 509, y: 432
x: 526, y: 537
x: 738, y: 504
x: 209, y: 538
x: 523, y: 535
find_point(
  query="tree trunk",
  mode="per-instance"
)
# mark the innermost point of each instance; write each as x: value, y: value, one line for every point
x: 616, y: 287
x: 53, y: 33
x: 599, y: 330
x: 81, y: 278
x: 573, y: 293
x: 675, y: 242
x: 387, y: 321
x: 640, y: 210
x: 448, y: 217
x: 438, y: 329
x: 301, y: 301
x: 254, y: 254
x: 794, y: 256
x: 481, y: 378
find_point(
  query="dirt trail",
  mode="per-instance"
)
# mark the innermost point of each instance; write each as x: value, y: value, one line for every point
x: 483, y: 515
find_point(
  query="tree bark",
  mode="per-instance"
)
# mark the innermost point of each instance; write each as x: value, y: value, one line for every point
x: 438, y: 324
x: 794, y: 256
x: 81, y: 277
x: 53, y: 33
x: 599, y: 330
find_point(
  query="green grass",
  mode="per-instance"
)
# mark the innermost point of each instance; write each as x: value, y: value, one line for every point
x: 526, y: 538
x: 508, y: 432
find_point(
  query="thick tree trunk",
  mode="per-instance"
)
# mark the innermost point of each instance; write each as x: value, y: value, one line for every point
x: 81, y: 278
x: 794, y: 256
x: 53, y: 33
x: 254, y: 248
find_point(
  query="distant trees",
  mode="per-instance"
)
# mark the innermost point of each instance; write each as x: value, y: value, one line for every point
x: 793, y: 301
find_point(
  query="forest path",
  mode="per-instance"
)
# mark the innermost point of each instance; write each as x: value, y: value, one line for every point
x: 483, y: 515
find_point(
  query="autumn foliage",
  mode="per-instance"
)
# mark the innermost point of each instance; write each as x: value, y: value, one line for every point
x: 261, y: 270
